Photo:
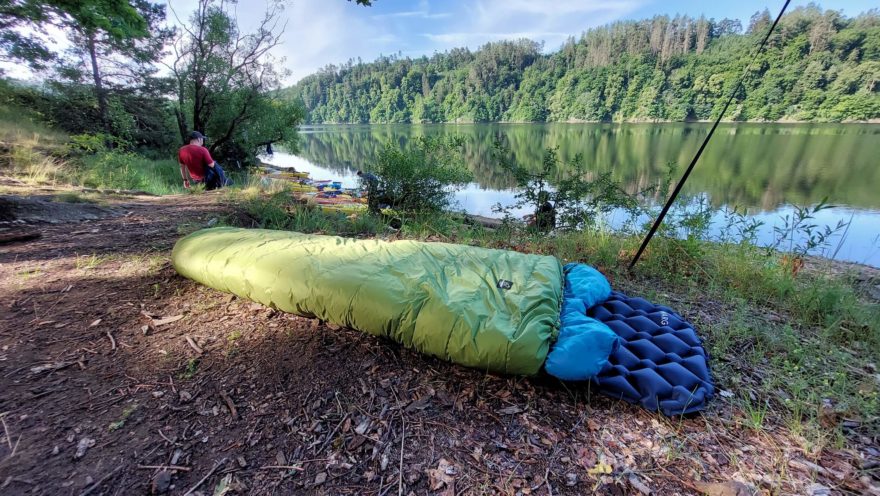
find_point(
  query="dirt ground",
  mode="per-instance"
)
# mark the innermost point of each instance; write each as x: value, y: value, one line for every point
x: 118, y: 376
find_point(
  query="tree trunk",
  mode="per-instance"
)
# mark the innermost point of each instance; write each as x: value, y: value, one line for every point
x: 181, y: 126
x: 99, y: 83
x: 198, y: 108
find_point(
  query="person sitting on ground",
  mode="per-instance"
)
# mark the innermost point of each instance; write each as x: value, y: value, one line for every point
x: 197, y: 166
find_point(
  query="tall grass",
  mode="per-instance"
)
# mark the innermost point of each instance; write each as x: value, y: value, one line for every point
x: 116, y: 170
x: 279, y: 209
x: 19, y: 125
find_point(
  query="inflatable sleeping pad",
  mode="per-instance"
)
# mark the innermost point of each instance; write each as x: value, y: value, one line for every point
x: 660, y: 364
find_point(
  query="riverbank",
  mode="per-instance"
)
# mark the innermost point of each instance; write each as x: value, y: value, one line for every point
x: 214, y: 379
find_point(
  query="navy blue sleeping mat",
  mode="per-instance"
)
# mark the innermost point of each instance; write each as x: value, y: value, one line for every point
x: 660, y: 363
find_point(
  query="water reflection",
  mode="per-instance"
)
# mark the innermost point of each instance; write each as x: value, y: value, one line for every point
x: 762, y: 167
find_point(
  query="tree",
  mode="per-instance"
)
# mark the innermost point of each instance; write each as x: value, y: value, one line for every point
x: 225, y: 81
x: 116, y: 18
x: 119, y: 55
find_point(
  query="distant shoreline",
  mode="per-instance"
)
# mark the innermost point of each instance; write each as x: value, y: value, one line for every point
x: 578, y: 121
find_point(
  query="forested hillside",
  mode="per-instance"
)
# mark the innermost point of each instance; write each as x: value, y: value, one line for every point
x: 819, y: 66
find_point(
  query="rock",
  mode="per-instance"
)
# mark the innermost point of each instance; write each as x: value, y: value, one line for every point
x: 55, y: 450
x: 184, y: 396
x: 730, y: 488
x: 816, y: 489
x: 82, y: 446
x: 320, y: 478
x: 161, y: 482
x: 158, y: 394
x: 571, y: 479
x: 638, y: 485
x: 212, y: 222
x: 875, y: 292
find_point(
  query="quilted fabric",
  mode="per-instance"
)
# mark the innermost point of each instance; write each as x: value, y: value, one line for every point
x: 494, y: 310
x: 660, y: 363
x: 582, y: 348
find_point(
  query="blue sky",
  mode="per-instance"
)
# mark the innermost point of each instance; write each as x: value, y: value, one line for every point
x: 321, y: 32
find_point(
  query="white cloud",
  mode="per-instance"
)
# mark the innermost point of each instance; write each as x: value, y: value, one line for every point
x: 492, y: 20
x: 414, y: 13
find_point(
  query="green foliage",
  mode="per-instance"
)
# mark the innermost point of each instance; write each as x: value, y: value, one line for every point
x: 124, y: 170
x: 280, y: 210
x: 819, y: 66
x: 117, y: 18
x: 799, y: 235
x: 422, y: 177
x: 577, y: 202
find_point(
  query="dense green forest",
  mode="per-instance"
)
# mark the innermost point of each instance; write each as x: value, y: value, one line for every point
x: 819, y: 66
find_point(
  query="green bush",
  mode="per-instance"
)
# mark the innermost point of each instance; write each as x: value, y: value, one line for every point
x: 576, y: 201
x: 422, y: 178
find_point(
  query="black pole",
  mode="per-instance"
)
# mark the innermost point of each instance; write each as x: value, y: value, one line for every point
x: 690, y: 167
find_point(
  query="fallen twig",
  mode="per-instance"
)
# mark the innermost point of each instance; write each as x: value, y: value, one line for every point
x: 112, y: 341
x: 332, y: 433
x: 166, y: 320
x: 203, y: 479
x: 193, y: 345
x: 165, y: 438
x: 104, y: 479
x: 164, y: 467
x: 282, y: 467
x: 229, y: 404
x: 6, y: 429
x: 294, y: 466
x: 400, y: 469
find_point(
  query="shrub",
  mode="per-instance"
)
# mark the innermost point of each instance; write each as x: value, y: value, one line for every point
x: 422, y: 178
x: 575, y: 202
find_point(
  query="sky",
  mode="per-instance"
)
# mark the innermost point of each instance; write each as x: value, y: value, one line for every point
x: 323, y: 32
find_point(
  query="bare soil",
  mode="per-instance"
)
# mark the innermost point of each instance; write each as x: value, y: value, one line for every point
x: 117, y: 376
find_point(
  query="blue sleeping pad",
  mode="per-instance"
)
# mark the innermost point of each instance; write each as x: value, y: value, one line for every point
x: 660, y: 363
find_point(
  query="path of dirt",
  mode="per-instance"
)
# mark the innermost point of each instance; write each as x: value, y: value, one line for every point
x: 119, y: 377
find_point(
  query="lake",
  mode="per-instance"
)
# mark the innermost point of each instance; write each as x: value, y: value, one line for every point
x: 764, y: 168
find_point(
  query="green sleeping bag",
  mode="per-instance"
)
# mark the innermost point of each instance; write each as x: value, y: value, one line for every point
x: 494, y: 310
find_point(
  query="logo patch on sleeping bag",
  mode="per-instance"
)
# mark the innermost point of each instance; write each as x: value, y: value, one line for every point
x: 504, y: 284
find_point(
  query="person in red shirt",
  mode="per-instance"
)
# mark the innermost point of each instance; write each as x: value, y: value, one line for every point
x: 196, y: 164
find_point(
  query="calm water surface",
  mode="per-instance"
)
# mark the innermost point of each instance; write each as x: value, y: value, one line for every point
x: 765, y: 168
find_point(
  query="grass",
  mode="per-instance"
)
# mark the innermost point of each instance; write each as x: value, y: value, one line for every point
x: 19, y: 125
x: 36, y: 154
x: 126, y: 413
x: 114, y: 170
x: 89, y: 262
x: 278, y: 209
x: 192, y: 366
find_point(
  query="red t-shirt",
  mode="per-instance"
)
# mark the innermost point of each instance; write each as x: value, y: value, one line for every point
x: 195, y: 158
